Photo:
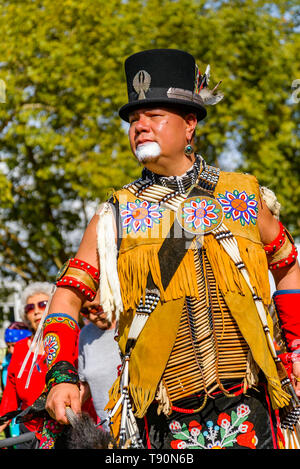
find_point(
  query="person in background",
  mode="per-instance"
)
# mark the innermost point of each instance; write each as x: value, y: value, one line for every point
x: 16, y: 395
x: 98, y: 358
x: 13, y: 333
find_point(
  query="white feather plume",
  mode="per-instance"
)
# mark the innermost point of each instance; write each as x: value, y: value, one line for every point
x: 110, y: 293
x: 271, y: 201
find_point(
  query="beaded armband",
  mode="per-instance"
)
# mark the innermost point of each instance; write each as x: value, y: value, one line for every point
x: 60, y: 338
x: 61, y: 372
x: 80, y: 275
x: 282, y: 251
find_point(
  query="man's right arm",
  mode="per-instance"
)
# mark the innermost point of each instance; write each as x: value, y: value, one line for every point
x: 68, y: 301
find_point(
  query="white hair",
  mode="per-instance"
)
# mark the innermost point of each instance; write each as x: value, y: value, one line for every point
x: 30, y: 290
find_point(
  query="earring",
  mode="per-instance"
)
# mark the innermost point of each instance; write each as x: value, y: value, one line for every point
x: 188, y: 149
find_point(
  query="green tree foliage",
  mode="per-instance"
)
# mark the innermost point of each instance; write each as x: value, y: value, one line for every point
x: 62, y: 144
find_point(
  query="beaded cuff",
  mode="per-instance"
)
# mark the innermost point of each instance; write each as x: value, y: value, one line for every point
x: 80, y: 275
x: 61, y: 372
x: 60, y: 338
x: 282, y: 251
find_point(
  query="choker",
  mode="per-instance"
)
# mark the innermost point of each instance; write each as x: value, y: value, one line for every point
x: 179, y: 184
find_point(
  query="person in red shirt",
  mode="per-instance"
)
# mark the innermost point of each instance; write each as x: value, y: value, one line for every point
x: 16, y: 395
x: 13, y: 333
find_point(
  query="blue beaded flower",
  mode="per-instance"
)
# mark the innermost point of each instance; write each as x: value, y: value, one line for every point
x: 140, y: 215
x: 239, y: 206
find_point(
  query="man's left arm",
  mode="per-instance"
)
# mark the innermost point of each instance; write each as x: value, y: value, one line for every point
x: 283, y: 263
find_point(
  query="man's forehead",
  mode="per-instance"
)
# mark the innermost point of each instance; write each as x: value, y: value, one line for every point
x: 145, y: 110
x: 148, y: 109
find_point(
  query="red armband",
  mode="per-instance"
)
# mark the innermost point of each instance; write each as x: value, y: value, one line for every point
x: 60, y: 338
x: 278, y: 241
x: 289, y: 259
x: 80, y: 275
x: 282, y: 251
x: 287, y: 304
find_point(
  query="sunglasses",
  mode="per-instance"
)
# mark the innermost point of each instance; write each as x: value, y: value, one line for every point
x: 94, y: 309
x: 31, y: 306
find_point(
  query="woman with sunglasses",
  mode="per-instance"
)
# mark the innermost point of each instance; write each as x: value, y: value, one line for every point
x: 16, y: 395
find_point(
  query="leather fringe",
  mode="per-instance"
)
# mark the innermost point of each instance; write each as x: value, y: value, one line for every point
x: 279, y: 398
x: 142, y: 399
x: 134, y: 266
x: 226, y: 274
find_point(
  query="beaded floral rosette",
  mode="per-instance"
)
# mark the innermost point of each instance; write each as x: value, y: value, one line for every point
x: 199, y: 214
x: 227, y: 431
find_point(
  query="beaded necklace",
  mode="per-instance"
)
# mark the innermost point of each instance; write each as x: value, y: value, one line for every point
x: 171, y: 191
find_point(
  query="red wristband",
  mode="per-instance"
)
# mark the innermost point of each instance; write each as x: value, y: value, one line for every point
x: 287, y: 304
x: 60, y: 336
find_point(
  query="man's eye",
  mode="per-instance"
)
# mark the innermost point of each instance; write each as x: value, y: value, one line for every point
x: 132, y: 117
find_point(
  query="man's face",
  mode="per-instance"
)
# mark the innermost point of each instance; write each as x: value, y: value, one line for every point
x: 162, y: 128
x: 95, y: 314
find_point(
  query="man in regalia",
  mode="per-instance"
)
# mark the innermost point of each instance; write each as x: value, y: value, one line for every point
x: 181, y: 257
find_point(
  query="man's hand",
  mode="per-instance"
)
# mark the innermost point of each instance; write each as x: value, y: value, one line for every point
x: 61, y: 396
x: 296, y: 374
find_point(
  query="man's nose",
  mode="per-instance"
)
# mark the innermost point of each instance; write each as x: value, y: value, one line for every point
x: 142, y: 124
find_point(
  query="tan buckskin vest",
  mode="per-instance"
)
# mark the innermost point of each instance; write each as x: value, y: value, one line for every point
x: 144, y: 227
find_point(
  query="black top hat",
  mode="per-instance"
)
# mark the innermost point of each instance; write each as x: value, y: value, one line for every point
x: 165, y: 77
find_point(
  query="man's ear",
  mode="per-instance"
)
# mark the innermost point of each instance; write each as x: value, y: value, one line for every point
x: 191, y: 123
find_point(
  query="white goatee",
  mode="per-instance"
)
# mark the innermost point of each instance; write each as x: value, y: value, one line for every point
x: 147, y: 151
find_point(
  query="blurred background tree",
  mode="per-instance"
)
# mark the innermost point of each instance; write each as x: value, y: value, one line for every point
x: 63, y: 147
